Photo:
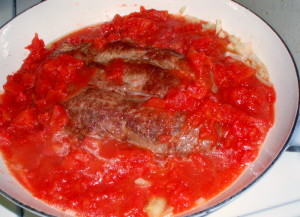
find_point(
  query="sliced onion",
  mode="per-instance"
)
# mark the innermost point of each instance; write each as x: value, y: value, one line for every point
x: 236, y: 56
x: 142, y: 182
x: 182, y: 10
x: 263, y: 80
x: 244, y: 49
x: 168, y: 212
x: 222, y: 34
x: 200, y: 201
x: 192, y: 19
x: 218, y: 26
x: 208, y: 26
x: 156, y: 207
x: 260, y: 66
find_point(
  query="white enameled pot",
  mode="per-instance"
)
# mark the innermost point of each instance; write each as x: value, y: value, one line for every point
x: 53, y: 19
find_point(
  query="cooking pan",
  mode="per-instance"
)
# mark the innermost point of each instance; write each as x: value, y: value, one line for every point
x: 53, y: 19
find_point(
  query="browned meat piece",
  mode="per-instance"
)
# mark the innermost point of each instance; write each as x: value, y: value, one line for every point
x: 110, y: 109
x: 139, y: 79
x: 129, y: 52
x: 106, y: 114
x: 97, y: 112
x: 79, y: 51
x: 163, y: 58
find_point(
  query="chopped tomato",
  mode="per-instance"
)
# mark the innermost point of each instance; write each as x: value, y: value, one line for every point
x: 197, y: 90
x: 115, y: 71
x: 27, y: 119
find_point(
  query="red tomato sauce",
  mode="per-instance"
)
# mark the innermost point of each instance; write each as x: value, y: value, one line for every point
x: 56, y: 166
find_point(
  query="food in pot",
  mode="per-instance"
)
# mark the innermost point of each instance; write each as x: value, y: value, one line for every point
x: 150, y: 114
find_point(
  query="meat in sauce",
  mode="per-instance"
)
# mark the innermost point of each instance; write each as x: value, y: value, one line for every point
x: 116, y: 108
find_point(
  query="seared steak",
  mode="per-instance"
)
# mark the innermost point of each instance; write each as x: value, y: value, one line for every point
x: 163, y: 58
x: 129, y: 52
x: 107, y: 114
x: 139, y: 79
x: 110, y: 109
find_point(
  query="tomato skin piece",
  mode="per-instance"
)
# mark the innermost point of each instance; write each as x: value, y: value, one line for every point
x: 151, y: 14
x: 76, y: 161
x: 197, y: 61
x: 27, y: 120
x: 37, y: 53
x: 59, y: 118
x: 197, y: 90
x: 115, y: 71
x: 186, y: 99
x: 181, y: 101
x: 139, y: 28
x: 240, y: 72
x: 22, y: 97
x: 60, y: 78
x: 99, y: 43
x: 13, y: 88
x: 156, y: 102
x: 245, y: 98
x: 63, y: 68
x: 232, y: 73
x: 202, y: 43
